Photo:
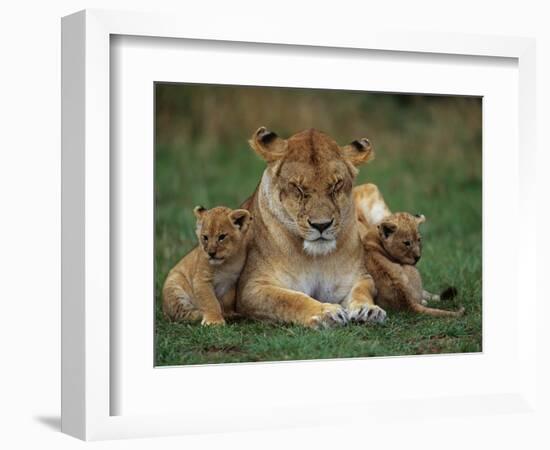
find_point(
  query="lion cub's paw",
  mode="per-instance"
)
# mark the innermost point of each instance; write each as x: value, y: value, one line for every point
x: 213, y: 320
x: 367, y: 313
x: 331, y: 315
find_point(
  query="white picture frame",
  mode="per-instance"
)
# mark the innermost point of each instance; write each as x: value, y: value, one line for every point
x: 87, y: 328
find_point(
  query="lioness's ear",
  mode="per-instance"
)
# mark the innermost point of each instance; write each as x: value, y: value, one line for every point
x: 240, y: 218
x: 420, y: 218
x: 387, y: 228
x: 199, y: 211
x: 359, y: 152
x: 268, y: 145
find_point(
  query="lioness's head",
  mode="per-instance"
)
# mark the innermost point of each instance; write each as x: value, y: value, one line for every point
x: 221, y: 231
x: 308, y: 183
x: 401, y: 238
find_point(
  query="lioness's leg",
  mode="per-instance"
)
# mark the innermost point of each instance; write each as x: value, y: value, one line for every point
x: 360, y: 302
x: 285, y: 305
x: 370, y: 206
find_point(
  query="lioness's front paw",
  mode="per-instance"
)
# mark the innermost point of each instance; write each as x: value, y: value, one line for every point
x: 331, y: 315
x: 366, y: 313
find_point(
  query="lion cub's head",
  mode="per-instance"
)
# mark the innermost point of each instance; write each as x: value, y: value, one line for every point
x: 221, y: 231
x: 401, y: 238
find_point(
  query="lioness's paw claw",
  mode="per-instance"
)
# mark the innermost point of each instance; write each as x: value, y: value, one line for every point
x: 331, y: 315
x: 376, y: 314
x: 367, y: 313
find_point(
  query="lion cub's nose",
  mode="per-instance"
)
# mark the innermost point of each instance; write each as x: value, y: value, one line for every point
x: 212, y: 254
x: 320, y: 226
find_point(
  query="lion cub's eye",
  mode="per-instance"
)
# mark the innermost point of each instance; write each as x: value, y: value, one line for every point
x: 407, y: 243
x: 204, y: 237
x: 297, y: 190
x: 221, y: 237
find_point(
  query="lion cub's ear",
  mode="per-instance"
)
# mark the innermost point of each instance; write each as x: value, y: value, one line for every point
x: 199, y: 211
x: 240, y: 218
x: 420, y: 218
x: 268, y: 145
x: 359, y: 152
x: 387, y: 228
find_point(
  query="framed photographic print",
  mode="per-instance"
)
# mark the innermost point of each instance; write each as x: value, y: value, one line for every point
x: 302, y: 219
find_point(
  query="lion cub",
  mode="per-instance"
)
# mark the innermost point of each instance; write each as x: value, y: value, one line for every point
x: 393, y: 248
x: 202, y: 285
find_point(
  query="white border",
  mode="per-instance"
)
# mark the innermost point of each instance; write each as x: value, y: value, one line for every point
x: 138, y: 388
x: 85, y: 368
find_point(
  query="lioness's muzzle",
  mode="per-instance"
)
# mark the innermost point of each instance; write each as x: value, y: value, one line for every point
x: 320, y: 226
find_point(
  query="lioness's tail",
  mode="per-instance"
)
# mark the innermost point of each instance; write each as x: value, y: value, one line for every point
x: 421, y: 309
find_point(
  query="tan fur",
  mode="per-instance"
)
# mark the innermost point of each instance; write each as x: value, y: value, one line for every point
x: 202, y: 284
x: 295, y: 272
x: 393, y: 248
x: 370, y: 207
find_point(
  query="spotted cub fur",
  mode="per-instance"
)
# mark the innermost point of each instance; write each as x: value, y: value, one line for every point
x: 393, y: 247
x: 202, y: 285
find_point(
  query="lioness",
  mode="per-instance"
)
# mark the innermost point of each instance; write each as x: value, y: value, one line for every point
x: 201, y: 286
x: 305, y: 263
x: 393, y: 249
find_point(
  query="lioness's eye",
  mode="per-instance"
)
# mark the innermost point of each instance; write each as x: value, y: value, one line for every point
x: 337, y: 186
x: 407, y: 243
x: 221, y: 237
x: 204, y: 237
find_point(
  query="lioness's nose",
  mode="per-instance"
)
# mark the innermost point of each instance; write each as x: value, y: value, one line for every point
x: 320, y: 226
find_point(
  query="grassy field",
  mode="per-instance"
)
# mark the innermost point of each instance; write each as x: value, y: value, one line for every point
x: 428, y: 161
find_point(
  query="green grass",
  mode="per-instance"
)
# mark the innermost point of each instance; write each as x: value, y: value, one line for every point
x: 451, y: 256
x: 430, y: 165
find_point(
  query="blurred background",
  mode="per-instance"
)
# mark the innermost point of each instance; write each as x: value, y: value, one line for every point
x: 428, y: 160
x: 226, y: 115
x: 428, y: 148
